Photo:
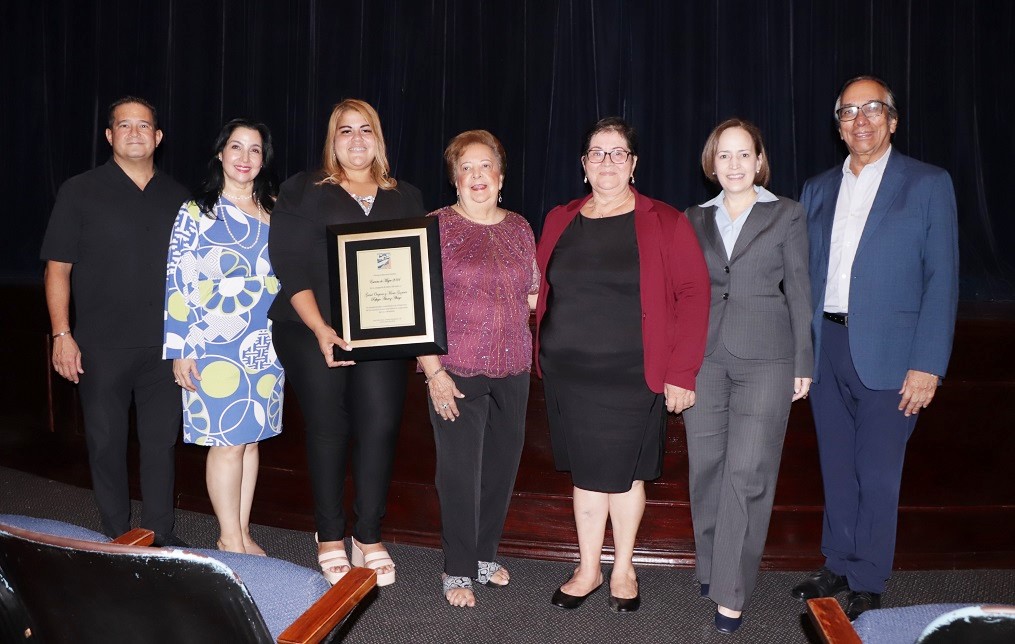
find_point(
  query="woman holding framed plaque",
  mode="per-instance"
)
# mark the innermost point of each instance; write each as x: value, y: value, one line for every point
x: 343, y: 403
x: 621, y: 325
x: 479, y: 391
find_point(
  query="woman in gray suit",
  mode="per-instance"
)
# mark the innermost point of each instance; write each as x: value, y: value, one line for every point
x: 758, y: 360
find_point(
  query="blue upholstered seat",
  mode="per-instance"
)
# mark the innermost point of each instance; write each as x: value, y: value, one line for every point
x: 54, y: 528
x: 894, y: 625
x: 281, y: 590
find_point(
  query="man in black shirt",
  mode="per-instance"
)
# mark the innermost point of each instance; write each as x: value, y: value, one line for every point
x: 106, y: 245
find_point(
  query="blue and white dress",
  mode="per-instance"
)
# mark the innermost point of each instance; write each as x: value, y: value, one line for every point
x: 219, y: 285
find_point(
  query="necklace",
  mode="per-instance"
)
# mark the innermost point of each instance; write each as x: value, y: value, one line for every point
x: 235, y: 197
x: 497, y: 217
x: 594, y: 210
x: 366, y: 202
x: 257, y: 236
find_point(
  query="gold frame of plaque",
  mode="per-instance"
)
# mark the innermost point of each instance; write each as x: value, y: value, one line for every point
x: 387, y: 288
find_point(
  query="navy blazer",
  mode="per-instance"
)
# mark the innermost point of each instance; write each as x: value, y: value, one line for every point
x: 904, y: 286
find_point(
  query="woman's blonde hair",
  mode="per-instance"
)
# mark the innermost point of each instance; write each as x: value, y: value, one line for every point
x: 334, y: 173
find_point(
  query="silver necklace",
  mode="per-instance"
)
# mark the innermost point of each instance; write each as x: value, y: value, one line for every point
x: 257, y: 236
x: 594, y: 211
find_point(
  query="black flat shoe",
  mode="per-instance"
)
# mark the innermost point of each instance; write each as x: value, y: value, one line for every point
x: 561, y: 599
x: 823, y: 583
x: 861, y: 602
x: 725, y: 624
x: 704, y: 590
x: 622, y: 605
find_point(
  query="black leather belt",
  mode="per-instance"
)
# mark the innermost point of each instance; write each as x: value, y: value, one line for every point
x: 838, y: 318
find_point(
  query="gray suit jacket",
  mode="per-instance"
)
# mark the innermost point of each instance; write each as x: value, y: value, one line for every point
x: 761, y: 303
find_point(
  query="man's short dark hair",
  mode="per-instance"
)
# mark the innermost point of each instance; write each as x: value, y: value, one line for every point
x: 126, y: 100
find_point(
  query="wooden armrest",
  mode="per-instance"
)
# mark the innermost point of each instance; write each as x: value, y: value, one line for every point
x: 328, y: 611
x: 136, y: 537
x: 831, y: 622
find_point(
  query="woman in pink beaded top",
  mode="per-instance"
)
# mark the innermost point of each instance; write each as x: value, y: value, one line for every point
x: 479, y: 391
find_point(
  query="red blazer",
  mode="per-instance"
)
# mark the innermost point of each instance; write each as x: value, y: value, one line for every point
x: 675, y: 289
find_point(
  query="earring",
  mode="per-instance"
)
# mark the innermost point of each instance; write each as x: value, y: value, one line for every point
x: 500, y: 197
x: 632, y: 179
x: 586, y: 178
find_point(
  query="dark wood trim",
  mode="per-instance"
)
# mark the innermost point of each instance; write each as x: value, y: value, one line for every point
x: 957, y: 501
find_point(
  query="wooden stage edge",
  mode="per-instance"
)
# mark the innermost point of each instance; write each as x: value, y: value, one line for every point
x: 957, y: 506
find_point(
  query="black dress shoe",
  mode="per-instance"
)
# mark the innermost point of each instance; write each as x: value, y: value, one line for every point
x: 169, y: 540
x: 861, y: 602
x: 704, y: 590
x: 622, y: 605
x: 561, y: 599
x: 725, y: 624
x: 823, y: 583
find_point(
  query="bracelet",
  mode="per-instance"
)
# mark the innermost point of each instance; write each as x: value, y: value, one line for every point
x: 433, y: 375
x: 61, y: 334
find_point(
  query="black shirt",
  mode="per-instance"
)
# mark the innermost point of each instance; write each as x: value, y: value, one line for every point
x: 117, y: 237
x: 298, y: 241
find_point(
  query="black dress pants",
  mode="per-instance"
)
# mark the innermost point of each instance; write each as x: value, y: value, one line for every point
x: 477, y: 461
x: 355, y: 409
x: 111, y: 377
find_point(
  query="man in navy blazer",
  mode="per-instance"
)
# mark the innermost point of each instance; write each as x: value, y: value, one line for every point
x: 884, y: 282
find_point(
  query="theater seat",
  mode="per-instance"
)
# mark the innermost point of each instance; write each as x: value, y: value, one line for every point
x: 924, y: 624
x: 64, y: 583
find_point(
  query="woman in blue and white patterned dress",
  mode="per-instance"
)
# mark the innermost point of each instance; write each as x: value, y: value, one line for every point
x: 219, y: 285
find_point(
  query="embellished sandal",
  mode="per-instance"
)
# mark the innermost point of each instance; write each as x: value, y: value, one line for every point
x: 450, y: 582
x: 333, y: 559
x: 485, y: 572
x: 374, y: 561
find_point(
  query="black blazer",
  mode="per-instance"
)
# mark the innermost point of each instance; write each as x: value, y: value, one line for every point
x: 297, y: 244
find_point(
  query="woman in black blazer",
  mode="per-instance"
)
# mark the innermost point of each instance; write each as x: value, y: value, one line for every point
x: 342, y: 402
x: 758, y: 359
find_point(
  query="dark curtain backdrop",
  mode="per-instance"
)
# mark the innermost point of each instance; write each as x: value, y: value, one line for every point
x: 537, y: 73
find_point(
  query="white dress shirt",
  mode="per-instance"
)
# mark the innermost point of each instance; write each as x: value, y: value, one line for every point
x: 856, y: 196
x: 729, y: 228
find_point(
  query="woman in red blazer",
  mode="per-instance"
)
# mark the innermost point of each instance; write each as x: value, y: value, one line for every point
x: 621, y: 323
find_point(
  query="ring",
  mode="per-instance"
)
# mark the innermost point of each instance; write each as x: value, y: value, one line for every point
x: 444, y: 406
x: 177, y: 381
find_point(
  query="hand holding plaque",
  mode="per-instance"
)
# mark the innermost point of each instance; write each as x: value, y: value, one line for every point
x: 387, y: 289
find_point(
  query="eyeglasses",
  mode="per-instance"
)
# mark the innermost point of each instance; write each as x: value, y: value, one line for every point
x: 617, y: 155
x: 870, y: 110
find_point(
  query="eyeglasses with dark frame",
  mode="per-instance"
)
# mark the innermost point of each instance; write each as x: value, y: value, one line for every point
x: 870, y: 110
x: 617, y: 155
